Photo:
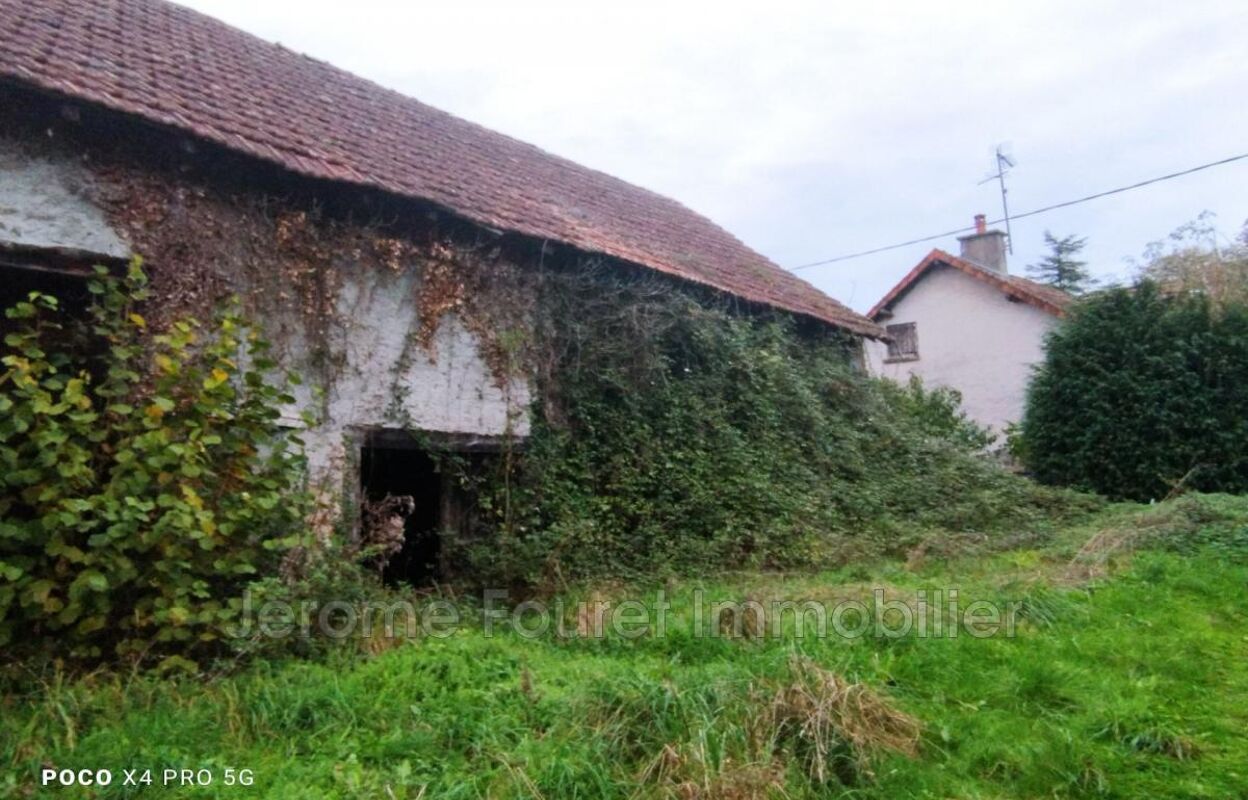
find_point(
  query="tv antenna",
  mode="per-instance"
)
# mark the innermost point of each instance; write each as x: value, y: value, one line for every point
x: 1004, y: 164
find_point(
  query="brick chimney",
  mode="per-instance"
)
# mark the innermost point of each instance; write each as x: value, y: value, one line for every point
x: 984, y: 247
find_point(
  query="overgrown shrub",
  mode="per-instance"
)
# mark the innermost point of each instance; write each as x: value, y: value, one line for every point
x: 938, y: 411
x: 1142, y: 393
x: 144, y: 479
x: 675, y: 434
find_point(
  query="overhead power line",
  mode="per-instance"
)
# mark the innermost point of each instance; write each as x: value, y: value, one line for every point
x: 1033, y: 212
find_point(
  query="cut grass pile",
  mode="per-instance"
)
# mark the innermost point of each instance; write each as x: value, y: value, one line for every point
x: 1127, y: 677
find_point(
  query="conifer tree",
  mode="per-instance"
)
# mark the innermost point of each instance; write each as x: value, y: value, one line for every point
x: 1061, y: 268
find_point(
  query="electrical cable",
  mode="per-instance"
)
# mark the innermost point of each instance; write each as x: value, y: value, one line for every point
x: 1033, y: 212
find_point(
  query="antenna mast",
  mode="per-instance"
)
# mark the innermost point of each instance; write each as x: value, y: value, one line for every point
x: 1004, y: 165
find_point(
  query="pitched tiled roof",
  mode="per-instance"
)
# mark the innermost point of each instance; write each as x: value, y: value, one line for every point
x: 1045, y: 298
x: 173, y: 66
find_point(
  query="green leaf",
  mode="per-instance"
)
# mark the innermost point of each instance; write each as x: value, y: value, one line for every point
x: 91, y: 624
x: 39, y: 590
x: 93, y: 579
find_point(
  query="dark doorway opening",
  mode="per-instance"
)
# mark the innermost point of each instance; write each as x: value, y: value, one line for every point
x: 408, y: 472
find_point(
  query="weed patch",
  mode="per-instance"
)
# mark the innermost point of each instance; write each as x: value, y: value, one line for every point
x: 839, y: 724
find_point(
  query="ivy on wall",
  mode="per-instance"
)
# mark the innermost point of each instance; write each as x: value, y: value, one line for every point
x: 674, y: 434
x: 288, y: 262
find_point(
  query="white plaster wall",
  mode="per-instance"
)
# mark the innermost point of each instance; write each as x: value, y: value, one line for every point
x: 445, y: 388
x: 970, y: 338
x: 387, y: 380
x: 45, y: 203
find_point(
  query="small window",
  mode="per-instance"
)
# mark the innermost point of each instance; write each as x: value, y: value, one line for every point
x: 904, y: 342
x: 19, y: 276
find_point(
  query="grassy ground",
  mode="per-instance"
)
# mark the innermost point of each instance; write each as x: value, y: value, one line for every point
x: 1127, y: 677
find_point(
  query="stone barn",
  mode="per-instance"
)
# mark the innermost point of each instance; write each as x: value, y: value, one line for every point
x: 385, y: 246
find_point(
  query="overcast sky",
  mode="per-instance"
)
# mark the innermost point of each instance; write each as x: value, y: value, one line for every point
x: 813, y: 129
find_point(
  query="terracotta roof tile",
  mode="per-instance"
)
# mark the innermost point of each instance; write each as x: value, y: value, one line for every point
x: 1045, y: 298
x: 174, y: 66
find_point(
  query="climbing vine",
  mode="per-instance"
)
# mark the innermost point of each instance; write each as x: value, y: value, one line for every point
x: 674, y: 434
x: 289, y: 263
x: 145, y: 478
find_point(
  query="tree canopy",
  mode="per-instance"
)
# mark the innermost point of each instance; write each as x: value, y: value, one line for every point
x: 1195, y: 260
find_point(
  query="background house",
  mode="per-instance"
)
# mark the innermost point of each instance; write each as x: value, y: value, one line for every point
x: 965, y: 323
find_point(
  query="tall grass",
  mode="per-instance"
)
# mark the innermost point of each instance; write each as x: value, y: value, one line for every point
x: 1132, y: 683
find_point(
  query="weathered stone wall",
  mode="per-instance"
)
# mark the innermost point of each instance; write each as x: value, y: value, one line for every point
x: 388, y: 333
x: 386, y: 379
